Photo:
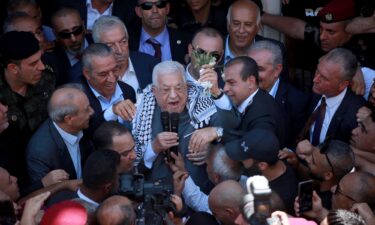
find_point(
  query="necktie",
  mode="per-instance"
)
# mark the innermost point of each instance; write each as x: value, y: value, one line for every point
x: 318, y: 117
x: 319, y: 122
x: 156, y: 45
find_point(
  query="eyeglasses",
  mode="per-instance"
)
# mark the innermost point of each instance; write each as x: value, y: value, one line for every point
x: 339, y: 191
x: 215, y: 54
x: 66, y: 35
x: 323, y: 150
x: 149, y: 5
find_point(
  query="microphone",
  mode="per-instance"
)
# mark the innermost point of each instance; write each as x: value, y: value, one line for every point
x: 164, y: 116
x: 174, y: 128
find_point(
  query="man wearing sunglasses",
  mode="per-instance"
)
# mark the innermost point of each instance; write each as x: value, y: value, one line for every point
x: 327, y: 165
x: 154, y: 37
x: 205, y: 41
x: 70, y: 36
x: 356, y: 187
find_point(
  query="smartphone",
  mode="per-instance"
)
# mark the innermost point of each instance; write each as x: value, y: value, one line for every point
x: 305, y: 190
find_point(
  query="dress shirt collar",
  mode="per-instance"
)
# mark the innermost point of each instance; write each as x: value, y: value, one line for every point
x: 247, y: 102
x: 118, y: 94
x: 228, y: 53
x: 274, y: 88
x: 161, y: 38
x: 86, y: 199
x: 336, y: 100
x: 108, y: 10
x: 70, y: 138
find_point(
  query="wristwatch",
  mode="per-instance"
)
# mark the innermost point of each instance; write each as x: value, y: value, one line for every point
x: 219, y: 133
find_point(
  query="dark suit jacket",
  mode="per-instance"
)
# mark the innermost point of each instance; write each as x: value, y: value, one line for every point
x: 47, y: 151
x: 261, y: 113
x: 178, y: 40
x: 98, y: 117
x: 344, y: 120
x: 66, y: 72
x: 294, y: 105
x: 143, y: 65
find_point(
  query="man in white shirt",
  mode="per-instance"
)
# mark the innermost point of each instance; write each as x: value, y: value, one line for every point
x: 111, y: 99
x: 205, y: 41
x: 334, y: 107
x: 59, y: 142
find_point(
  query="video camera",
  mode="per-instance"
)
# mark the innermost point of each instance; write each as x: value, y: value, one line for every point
x: 154, y: 196
x: 257, y: 203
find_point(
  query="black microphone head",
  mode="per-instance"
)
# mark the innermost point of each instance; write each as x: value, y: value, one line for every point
x: 164, y: 116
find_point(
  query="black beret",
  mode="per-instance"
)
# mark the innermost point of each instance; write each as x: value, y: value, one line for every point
x: 18, y: 45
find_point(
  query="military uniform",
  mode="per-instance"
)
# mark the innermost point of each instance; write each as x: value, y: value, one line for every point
x: 25, y: 114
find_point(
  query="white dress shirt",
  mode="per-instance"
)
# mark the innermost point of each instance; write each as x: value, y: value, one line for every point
x: 94, y: 14
x: 130, y: 77
x: 107, y: 104
x: 72, y: 143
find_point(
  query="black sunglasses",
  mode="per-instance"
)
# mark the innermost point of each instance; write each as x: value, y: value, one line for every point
x: 149, y: 5
x: 66, y: 35
x: 323, y: 150
x: 213, y: 54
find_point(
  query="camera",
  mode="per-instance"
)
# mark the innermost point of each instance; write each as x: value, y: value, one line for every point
x: 257, y: 203
x: 169, y: 122
x: 154, y: 198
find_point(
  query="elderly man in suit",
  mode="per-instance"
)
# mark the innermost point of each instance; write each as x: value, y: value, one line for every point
x: 111, y: 99
x: 334, y: 106
x: 59, y: 143
x: 293, y: 103
x: 199, y: 123
x: 154, y: 37
x: 135, y: 67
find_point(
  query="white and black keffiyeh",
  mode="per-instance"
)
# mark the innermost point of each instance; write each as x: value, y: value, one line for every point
x: 200, y: 107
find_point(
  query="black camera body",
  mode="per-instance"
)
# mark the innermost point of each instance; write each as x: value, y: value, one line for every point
x: 154, y: 198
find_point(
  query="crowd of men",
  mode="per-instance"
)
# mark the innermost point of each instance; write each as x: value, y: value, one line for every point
x: 98, y: 94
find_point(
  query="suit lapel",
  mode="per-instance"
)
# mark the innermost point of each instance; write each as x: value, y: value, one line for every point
x: 64, y: 156
x: 338, y: 116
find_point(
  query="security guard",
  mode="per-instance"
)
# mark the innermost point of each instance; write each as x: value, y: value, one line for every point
x: 25, y: 87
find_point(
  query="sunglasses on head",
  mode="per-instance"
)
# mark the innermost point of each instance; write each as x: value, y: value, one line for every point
x: 201, y: 52
x: 65, y: 35
x: 148, y: 5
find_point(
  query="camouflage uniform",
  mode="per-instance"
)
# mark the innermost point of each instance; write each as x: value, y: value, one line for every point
x: 25, y: 114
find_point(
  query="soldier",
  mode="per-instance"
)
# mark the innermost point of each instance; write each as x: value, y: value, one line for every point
x: 25, y: 87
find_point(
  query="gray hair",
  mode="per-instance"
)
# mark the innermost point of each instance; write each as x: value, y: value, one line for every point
x: 58, y: 110
x: 271, y: 47
x: 222, y: 165
x: 14, y: 18
x: 229, y: 14
x: 106, y: 23
x: 96, y: 49
x: 346, y: 59
x: 167, y: 67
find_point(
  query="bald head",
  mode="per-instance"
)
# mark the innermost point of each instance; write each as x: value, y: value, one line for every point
x: 115, y: 210
x: 225, y: 201
x: 62, y: 104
